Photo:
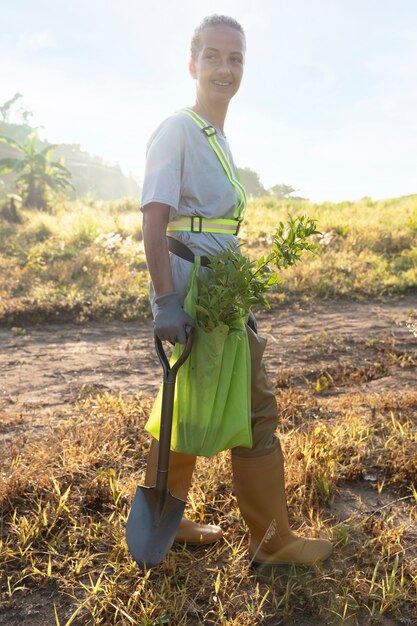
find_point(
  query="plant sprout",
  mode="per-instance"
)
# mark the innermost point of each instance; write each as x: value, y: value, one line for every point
x: 233, y: 283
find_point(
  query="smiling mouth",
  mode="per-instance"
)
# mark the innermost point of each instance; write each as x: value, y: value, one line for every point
x: 221, y: 84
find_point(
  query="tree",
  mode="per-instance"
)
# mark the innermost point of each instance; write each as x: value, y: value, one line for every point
x: 23, y: 112
x: 5, y: 108
x: 39, y: 175
x: 251, y: 182
x: 283, y: 192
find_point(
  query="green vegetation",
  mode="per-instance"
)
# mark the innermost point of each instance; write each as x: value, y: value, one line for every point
x: 367, y: 249
x: 67, y: 490
x: 85, y: 260
x: 233, y: 283
x: 82, y: 262
x: 90, y: 174
x: 38, y: 175
x: 255, y: 189
x: 251, y: 182
x: 67, y: 484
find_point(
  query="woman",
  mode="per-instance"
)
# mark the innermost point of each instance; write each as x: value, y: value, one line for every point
x: 187, y: 194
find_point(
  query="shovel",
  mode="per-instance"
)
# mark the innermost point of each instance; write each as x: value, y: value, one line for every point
x: 156, y: 514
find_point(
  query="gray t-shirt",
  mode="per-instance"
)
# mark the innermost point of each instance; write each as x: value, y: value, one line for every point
x: 183, y: 172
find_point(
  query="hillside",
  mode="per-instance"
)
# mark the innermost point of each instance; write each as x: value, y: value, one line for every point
x: 91, y: 175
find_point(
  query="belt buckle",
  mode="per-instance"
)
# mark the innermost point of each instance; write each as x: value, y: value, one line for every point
x: 200, y: 224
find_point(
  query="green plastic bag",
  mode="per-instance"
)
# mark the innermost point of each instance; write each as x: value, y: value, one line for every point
x: 212, y: 392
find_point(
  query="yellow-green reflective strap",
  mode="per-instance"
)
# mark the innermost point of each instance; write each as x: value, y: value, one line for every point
x: 212, y: 138
x: 204, y: 225
x: 213, y: 141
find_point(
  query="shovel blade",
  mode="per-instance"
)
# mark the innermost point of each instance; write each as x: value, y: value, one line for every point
x: 150, y: 535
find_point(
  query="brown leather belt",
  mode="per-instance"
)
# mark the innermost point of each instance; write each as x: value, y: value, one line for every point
x: 180, y: 249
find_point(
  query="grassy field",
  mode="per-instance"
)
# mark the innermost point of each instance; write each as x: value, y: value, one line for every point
x: 368, y: 249
x: 67, y: 482
x: 66, y: 494
x: 86, y: 261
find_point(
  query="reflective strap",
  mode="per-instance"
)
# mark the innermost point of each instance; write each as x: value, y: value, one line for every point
x: 196, y: 224
x: 211, y: 134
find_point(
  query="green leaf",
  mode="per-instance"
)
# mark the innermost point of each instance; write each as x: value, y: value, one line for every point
x: 201, y: 309
x: 49, y: 150
x: 9, y: 164
x: 12, y: 143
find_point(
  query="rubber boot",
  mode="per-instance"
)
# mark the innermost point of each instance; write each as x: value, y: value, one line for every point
x: 260, y: 490
x: 181, y: 467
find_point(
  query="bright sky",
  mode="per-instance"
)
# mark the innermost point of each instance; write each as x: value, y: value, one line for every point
x: 328, y: 103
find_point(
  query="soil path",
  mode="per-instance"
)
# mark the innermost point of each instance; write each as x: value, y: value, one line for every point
x: 346, y: 346
x: 46, y: 370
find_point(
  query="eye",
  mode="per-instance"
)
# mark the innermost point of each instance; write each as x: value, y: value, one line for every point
x: 210, y: 55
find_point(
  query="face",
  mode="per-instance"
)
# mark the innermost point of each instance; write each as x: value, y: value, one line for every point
x: 218, y: 68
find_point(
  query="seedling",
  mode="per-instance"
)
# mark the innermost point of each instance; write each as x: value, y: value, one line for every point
x: 233, y: 283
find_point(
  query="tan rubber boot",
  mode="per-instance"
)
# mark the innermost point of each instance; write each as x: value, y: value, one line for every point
x: 260, y: 491
x: 181, y: 467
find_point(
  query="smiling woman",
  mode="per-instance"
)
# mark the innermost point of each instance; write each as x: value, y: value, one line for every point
x: 217, y: 60
x: 192, y: 193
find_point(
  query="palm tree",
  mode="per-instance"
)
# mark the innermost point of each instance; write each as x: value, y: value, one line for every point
x: 39, y: 175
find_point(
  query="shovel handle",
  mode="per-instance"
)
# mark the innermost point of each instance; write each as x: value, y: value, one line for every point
x: 170, y: 371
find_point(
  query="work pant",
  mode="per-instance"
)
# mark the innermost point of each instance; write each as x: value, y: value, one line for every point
x: 264, y: 413
x: 264, y: 418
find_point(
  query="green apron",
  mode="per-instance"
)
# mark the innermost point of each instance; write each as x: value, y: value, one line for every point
x: 212, y: 405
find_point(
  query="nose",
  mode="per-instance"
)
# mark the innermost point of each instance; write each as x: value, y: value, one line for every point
x: 223, y: 67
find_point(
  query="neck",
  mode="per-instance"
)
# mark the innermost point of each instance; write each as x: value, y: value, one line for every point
x: 216, y: 115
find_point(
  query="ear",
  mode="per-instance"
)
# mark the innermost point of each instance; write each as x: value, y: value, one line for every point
x: 191, y: 68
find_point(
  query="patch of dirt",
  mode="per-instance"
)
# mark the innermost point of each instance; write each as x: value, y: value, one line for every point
x: 333, y: 347
x: 365, y: 346
x: 49, y: 367
x: 36, y: 608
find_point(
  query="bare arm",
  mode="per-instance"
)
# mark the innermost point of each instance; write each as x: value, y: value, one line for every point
x: 155, y: 220
x: 171, y: 322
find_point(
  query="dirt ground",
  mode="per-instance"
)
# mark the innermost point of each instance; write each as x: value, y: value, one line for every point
x: 345, y: 345
x: 46, y: 369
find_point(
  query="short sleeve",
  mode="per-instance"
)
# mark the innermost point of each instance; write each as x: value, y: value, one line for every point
x: 163, y: 169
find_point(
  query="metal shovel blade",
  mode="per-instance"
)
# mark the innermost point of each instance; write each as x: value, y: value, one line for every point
x: 155, y: 513
x: 150, y: 528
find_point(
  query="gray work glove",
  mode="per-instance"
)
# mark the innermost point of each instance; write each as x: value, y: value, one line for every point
x: 171, y: 322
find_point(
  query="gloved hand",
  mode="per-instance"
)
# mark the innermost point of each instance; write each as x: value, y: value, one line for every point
x: 252, y: 323
x: 171, y: 321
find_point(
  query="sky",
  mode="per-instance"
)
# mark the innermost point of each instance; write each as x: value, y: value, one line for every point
x: 328, y: 102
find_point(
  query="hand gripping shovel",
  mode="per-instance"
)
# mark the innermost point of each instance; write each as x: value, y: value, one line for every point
x: 155, y: 514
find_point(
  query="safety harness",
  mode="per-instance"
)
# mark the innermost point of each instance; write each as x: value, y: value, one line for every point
x: 197, y: 224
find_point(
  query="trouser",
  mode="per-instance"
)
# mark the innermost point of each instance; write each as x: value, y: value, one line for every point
x: 264, y: 412
x: 264, y: 422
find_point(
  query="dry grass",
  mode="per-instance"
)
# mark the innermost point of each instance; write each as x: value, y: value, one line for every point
x: 83, y: 262
x: 67, y: 487
x: 366, y: 248
x: 66, y: 493
x: 86, y: 260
